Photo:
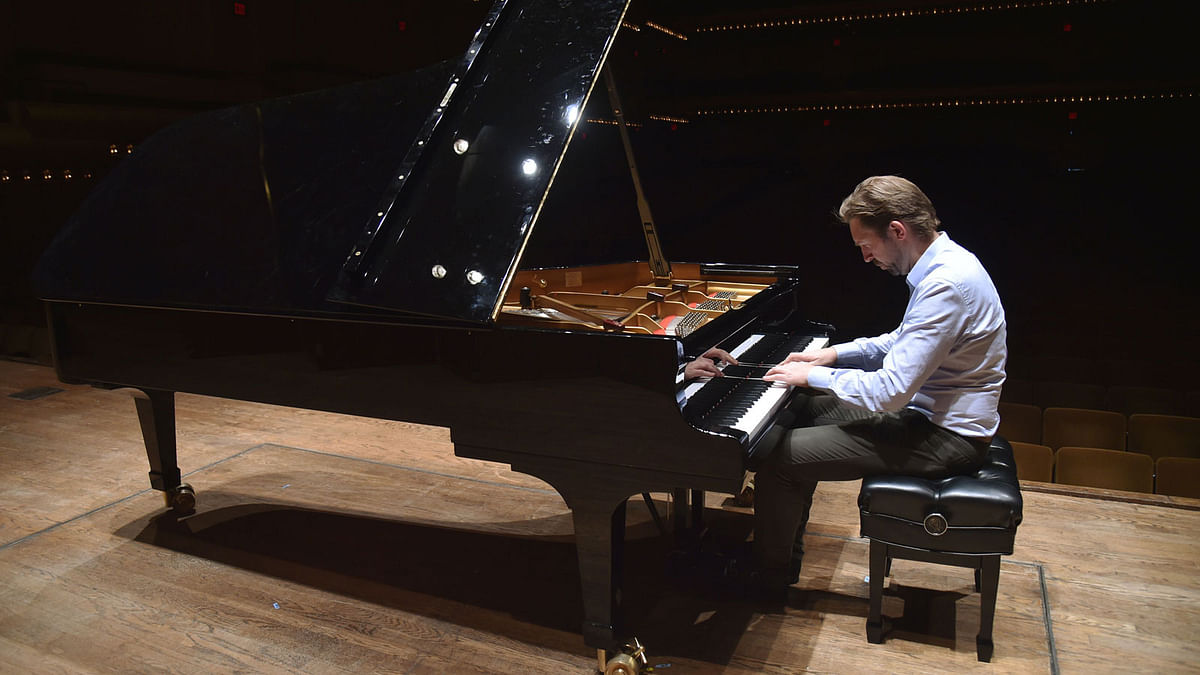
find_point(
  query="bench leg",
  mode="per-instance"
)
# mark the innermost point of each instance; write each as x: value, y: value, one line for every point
x: 879, y: 563
x: 989, y: 578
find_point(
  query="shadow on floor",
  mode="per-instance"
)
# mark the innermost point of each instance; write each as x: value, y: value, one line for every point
x: 678, y: 603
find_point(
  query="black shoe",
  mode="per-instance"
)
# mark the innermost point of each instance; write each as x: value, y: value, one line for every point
x: 794, y: 572
x: 768, y: 590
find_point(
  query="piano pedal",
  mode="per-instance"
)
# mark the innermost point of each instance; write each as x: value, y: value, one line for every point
x: 685, y: 559
x: 745, y: 498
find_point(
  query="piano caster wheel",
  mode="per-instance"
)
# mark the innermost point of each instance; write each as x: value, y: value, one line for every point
x: 181, y: 499
x: 629, y: 662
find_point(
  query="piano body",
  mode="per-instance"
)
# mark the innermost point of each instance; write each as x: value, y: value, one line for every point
x: 358, y: 250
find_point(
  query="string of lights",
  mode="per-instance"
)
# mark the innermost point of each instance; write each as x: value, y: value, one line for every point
x: 638, y: 125
x: 667, y: 118
x: 666, y: 30
x: 894, y: 14
x: 613, y: 123
x: 27, y: 176
x: 952, y: 103
x: 46, y: 175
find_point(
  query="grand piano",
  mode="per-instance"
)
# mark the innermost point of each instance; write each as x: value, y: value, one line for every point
x: 360, y: 250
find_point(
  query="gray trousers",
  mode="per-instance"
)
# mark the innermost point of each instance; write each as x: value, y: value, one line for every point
x: 830, y: 440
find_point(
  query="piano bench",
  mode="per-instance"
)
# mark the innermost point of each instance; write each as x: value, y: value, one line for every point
x: 965, y: 521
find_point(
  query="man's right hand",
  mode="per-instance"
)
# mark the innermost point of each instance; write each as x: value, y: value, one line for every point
x: 821, y: 357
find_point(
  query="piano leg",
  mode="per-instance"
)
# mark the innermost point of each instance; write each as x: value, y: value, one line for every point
x: 600, y: 542
x: 688, y: 517
x: 679, y: 498
x: 156, y: 414
x: 698, y: 510
x: 598, y: 514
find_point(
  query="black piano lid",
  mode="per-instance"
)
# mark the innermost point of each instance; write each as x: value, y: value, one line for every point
x: 272, y: 207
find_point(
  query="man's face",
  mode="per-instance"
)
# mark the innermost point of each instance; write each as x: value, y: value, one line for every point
x: 884, y: 251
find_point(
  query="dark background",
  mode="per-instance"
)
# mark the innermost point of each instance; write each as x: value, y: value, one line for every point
x: 1082, y: 210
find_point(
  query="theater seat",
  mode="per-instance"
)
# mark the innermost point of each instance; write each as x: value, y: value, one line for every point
x: 1165, y: 435
x: 1108, y: 469
x: 1083, y: 428
x: 1020, y: 422
x: 1034, y: 462
x: 1178, y: 476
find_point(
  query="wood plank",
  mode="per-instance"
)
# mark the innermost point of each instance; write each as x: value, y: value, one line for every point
x: 386, y: 553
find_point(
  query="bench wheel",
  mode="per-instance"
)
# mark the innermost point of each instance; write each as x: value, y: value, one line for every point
x: 181, y: 499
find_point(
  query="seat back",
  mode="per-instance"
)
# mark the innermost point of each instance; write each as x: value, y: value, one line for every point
x: 1083, y: 428
x: 1130, y: 400
x: 1110, y: 469
x: 1017, y: 390
x: 1020, y: 422
x: 1068, y: 368
x: 1164, y: 435
x: 1034, y: 462
x: 1178, y: 476
x: 1068, y: 395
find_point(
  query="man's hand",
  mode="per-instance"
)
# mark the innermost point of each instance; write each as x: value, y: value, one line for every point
x: 821, y: 357
x: 794, y: 373
x: 705, y: 366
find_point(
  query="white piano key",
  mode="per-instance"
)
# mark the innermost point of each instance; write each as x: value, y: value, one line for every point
x: 749, y: 342
x: 764, y: 410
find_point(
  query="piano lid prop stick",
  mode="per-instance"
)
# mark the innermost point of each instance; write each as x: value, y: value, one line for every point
x: 546, y: 301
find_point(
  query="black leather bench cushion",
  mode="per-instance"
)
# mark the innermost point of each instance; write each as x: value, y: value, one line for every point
x: 981, y: 510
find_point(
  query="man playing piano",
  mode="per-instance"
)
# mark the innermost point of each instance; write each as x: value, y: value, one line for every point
x: 920, y: 400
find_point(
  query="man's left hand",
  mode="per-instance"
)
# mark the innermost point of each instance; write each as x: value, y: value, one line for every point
x: 794, y: 373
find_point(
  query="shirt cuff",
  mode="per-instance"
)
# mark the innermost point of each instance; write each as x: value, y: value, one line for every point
x: 848, y: 351
x: 821, y: 377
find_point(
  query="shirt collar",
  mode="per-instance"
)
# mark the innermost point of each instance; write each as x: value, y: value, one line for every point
x: 919, y: 270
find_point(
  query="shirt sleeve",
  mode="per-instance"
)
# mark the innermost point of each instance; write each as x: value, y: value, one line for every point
x: 936, y: 317
x: 866, y: 353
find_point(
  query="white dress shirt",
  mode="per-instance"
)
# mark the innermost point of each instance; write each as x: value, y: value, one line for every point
x: 946, y: 359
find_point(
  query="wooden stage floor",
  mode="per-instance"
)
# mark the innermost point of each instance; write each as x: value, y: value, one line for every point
x: 333, y: 544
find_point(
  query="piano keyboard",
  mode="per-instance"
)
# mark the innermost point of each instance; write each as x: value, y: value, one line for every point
x: 745, y: 407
